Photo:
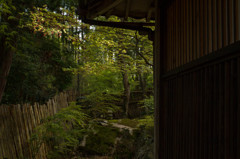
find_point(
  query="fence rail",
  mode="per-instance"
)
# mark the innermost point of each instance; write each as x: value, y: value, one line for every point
x: 17, y: 123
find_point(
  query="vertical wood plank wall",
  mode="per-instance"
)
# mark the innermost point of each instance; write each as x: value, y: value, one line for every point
x: 17, y: 122
x: 196, y: 28
x: 201, y: 80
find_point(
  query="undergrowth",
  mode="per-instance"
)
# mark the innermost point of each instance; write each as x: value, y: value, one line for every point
x: 77, y: 132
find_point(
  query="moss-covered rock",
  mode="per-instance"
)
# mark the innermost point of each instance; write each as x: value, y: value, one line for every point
x: 101, y: 140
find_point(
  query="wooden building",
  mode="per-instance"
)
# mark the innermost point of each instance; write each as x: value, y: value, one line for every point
x: 197, y: 72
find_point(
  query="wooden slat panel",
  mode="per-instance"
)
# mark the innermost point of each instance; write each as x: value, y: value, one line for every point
x: 215, y: 22
x: 211, y: 106
x: 191, y: 30
x: 205, y: 29
x: 181, y: 109
x: 168, y: 44
x: 169, y: 41
x: 189, y: 115
x: 221, y: 112
x: 233, y: 109
x: 203, y: 97
x: 203, y: 114
x: 219, y: 23
x: 192, y: 124
x: 177, y: 33
x: 185, y: 114
x: 237, y: 20
x: 172, y: 120
x: 201, y: 27
x: 199, y: 115
x: 172, y: 38
x: 225, y: 22
x: 182, y: 33
x: 187, y: 30
x: 231, y: 21
x: 194, y: 30
x: 226, y: 110
x: 195, y: 104
x: 198, y: 48
x: 238, y: 108
x: 210, y: 26
x: 215, y: 112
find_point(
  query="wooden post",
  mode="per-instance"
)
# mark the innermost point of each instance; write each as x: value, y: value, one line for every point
x: 158, y: 83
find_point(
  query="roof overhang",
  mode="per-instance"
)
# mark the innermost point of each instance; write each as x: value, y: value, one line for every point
x: 138, y: 9
x: 141, y: 10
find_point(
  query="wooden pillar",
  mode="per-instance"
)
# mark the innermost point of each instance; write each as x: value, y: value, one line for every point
x: 158, y: 83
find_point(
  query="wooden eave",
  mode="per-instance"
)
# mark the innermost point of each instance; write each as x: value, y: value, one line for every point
x: 142, y: 10
x: 138, y: 9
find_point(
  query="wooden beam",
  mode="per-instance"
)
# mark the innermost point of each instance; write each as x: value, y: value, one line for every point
x: 159, y: 53
x: 93, y: 6
x: 127, y: 9
x: 117, y: 24
x: 106, y: 8
x: 149, y: 14
x: 125, y: 25
x: 218, y: 56
x: 108, y: 13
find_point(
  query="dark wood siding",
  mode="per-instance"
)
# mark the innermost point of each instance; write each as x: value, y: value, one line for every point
x: 196, y: 28
x: 200, y: 75
x: 202, y: 111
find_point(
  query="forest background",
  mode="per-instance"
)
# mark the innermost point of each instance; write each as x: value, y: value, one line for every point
x: 46, y: 49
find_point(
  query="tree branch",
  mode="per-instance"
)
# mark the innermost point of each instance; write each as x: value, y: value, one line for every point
x: 146, y: 61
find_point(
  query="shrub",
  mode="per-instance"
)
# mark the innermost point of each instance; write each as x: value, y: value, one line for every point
x: 60, y: 133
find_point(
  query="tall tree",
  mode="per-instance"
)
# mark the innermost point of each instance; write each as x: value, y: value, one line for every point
x: 125, y: 51
x: 10, y: 32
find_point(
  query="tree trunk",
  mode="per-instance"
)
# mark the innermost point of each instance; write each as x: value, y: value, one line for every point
x: 142, y: 84
x: 5, y: 65
x: 126, y: 92
x: 126, y: 83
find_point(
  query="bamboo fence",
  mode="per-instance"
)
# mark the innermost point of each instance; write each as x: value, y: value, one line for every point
x: 17, y: 123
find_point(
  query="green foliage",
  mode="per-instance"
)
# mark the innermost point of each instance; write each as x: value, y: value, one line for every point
x: 140, y: 144
x: 6, y: 7
x: 148, y: 104
x: 37, y: 71
x: 144, y: 140
x: 65, y: 133
x: 100, y: 105
x: 61, y: 133
x: 107, y: 54
x: 101, y: 140
x: 125, y: 147
x: 8, y: 24
x: 44, y: 66
x: 101, y: 77
x: 147, y: 121
x: 55, y: 24
x: 39, y: 64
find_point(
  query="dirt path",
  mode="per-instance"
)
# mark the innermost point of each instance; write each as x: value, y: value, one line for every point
x: 122, y: 127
